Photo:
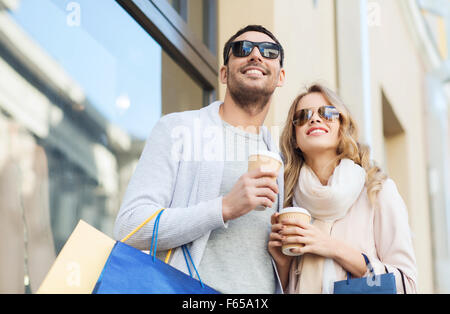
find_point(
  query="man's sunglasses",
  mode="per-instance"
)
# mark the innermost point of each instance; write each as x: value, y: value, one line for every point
x: 244, y: 48
x: 328, y: 113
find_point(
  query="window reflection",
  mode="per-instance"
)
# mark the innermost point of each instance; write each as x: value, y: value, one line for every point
x: 81, y: 87
x: 107, y: 54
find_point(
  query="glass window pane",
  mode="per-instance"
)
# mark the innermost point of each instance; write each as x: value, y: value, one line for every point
x: 105, y: 52
x: 81, y: 87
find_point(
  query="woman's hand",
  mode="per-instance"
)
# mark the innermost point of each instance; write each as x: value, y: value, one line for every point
x: 319, y: 243
x: 275, y: 242
x: 315, y: 240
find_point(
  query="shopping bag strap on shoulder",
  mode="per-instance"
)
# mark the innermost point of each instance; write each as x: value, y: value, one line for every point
x: 153, y: 246
x: 141, y: 225
x: 157, y: 213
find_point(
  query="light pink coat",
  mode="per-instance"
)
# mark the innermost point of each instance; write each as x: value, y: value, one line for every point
x: 383, y: 234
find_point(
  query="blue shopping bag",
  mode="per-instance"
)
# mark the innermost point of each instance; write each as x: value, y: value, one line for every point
x: 374, y: 284
x: 130, y: 271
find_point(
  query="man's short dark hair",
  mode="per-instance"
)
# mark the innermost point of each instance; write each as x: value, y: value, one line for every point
x: 252, y: 28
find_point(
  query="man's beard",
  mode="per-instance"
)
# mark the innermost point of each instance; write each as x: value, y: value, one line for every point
x: 254, y: 99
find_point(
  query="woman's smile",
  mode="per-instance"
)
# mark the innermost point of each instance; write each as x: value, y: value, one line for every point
x: 316, y: 131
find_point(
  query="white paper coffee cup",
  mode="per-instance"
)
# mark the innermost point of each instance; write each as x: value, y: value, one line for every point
x: 267, y: 161
x: 294, y: 213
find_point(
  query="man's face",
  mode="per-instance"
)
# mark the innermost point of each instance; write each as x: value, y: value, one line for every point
x: 252, y: 80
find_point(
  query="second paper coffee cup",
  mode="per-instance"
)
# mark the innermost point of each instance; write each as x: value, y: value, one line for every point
x: 295, y: 213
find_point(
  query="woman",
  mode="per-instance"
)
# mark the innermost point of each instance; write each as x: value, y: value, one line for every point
x: 355, y: 208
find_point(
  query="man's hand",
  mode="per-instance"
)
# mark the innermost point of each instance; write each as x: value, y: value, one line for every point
x: 252, y: 189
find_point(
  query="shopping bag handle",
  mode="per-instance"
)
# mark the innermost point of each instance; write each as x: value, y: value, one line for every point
x: 369, y: 266
x: 371, y: 270
x: 142, y: 225
x: 153, y: 246
x: 154, y: 243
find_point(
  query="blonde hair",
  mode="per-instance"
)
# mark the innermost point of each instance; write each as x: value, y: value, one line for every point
x: 348, y: 147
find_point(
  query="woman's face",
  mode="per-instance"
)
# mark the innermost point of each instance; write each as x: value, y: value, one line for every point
x: 317, y: 135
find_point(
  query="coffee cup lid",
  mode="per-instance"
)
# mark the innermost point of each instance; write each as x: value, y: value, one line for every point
x: 268, y: 154
x: 295, y: 210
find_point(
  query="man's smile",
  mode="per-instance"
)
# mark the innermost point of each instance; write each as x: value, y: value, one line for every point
x: 254, y: 71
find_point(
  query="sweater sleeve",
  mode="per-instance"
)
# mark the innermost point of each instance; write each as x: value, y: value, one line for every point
x: 151, y: 188
x: 393, y: 239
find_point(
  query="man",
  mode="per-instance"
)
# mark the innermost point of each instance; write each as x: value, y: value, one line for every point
x: 189, y: 166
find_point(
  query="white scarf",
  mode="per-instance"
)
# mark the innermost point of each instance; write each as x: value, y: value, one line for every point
x: 332, y: 201
x: 326, y: 205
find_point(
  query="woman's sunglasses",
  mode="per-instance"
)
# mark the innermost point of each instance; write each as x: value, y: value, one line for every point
x: 328, y: 113
x: 244, y: 48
